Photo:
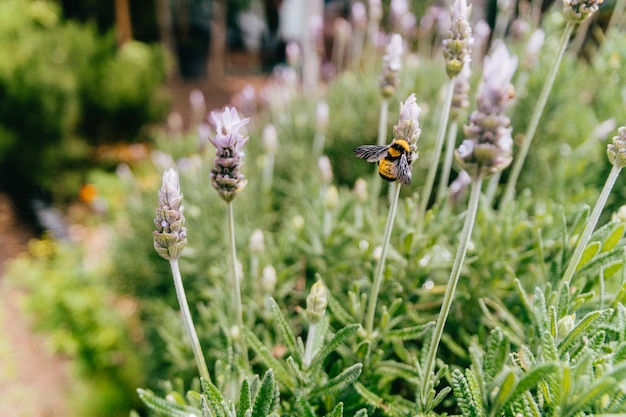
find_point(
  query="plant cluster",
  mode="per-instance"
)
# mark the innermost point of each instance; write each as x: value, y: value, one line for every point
x: 308, y: 286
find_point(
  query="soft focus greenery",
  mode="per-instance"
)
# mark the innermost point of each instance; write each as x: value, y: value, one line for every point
x: 512, y: 343
x: 64, y: 87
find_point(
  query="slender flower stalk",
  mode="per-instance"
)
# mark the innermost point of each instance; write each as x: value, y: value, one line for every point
x: 448, y: 297
x: 408, y: 130
x: 575, y: 11
x: 486, y: 151
x: 617, y: 156
x: 457, y: 53
x: 170, y: 238
x: 227, y: 179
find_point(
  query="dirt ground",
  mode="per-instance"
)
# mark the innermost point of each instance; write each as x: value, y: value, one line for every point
x: 33, y: 381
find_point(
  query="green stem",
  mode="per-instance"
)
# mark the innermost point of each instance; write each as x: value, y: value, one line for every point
x: 310, y: 341
x: 536, y: 117
x: 591, y: 224
x: 447, y: 161
x: 188, y: 322
x: 236, y: 281
x: 470, y: 218
x: 380, y: 266
x: 382, y: 140
x: 434, y: 161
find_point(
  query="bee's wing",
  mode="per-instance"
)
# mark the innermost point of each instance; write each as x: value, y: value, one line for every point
x: 401, y: 169
x: 371, y: 153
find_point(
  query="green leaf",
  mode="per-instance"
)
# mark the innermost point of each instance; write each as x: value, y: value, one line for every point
x: 361, y: 413
x: 603, y: 261
x: 338, y: 311
x: 376, y: 401
x: 441, y: 395
x: 497, y: 352
x: 270, y: 361
x: 165, y: 407
x: 340, y: 337
x: 584, y: 326
x: 609, y: 234
x: 337, y: 411
x: 400, y: 370
x: 282, y: 328
x: 505, y: 384
x: 304, y: 408
x: 244, y: 398
x: 588, y: 254
x: 465, y: 396
x: 265, y: 396
x: 214, y: 397
x: 410, y: 333
x: 345, y: 378
x: 531, y: 378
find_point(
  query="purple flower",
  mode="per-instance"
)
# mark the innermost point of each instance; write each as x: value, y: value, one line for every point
x: 392, y: 63
x: 457, y: 45
x: 170, y: 236
x: 228, y: 141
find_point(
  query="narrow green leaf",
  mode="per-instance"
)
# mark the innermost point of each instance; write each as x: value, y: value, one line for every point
x: 361, y: 413
x: 465, y: 399
x: 165, y: 407
x: 339, y: 337
x: 587, y: 324
x: 441, y: 395
x: 345, y: 378
x: 214, y: 397
x: 375, y: 401
x: 337, y: 411
x: 588, y: 254
x: 531, y: 378
x: 598, y: 389
x: 304, y: 408
x: 609, y: 234
x: 603, y: 261
x: 505, y: 386
x: 283, y: 329
x: 410, y: 333
x: 338, y: 311
x: 204, y: 407
x: 244, y: 398
x: 497, y: 352
x: 265, y: 396
x: 400, y: 370
x: 270, y: 361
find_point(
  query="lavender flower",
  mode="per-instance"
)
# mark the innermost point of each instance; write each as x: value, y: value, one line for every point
x: 408, y: 127
x: 170, y: 236
x: 392, y: 63
x: 488, y: 148
x: 577, y: 11
x: 617, y: 150
x: 460, y: 101
x: 228, y: 141
x: 457, y: 45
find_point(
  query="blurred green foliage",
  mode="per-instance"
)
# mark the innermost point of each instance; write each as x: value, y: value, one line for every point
x: 65, y: 88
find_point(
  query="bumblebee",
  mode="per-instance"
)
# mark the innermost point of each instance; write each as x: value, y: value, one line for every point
x: 394, y: 160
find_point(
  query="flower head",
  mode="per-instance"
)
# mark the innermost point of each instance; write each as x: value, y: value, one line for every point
x: 489, y: 145
x: 228, y: 141
x: 392, y: 63
x: 617, y: 150
x: 577, y: 11
x: 316, y: 302
x: 408, y: 127
x: 458, y: 43
x: 460, y: 100
x: 170, y: 236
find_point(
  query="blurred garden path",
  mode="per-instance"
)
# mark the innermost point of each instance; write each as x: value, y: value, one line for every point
x: 33, y: 381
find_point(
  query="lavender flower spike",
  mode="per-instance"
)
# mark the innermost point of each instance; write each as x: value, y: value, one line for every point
x: 457, y: 46
x: 228, y: 141
x: 489, y: 145
x: 617, y: 150
x: 392, y: 64
x: 408, y: 127
x: 170, y: 236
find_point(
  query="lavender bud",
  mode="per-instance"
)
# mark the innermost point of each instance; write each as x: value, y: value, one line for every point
x: 408, y: 127
x: 325, y: 169
x: 457, y: 45
x: 392, y: 63
x: 460, y: 100
x: 316, y: 303
x: 617, y: 150
x: 257, y: 242
x: 268, y: 279
x: 170, y: 236
x: 228, y: 141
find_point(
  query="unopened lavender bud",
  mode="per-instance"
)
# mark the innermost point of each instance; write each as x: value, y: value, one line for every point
x: 170, y: 236
x: 331, y: 198
x: 577, y: 11
x: 620, y: 215
x: 257, y: 242
x: 565, y: 325
x: 316, y: 303
x: 617, y: 150
x: 392, y: 64
x: 458, y: 187
x: 270, y: 139
x: 360, y: 190
x: 268, y: 280
x: 457, y: 45
x: 325, y: 169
